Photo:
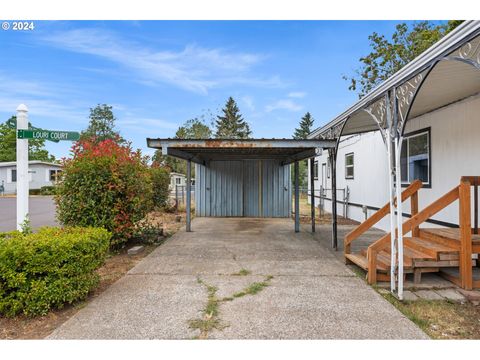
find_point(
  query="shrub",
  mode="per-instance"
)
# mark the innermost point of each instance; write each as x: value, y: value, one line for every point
x: 34, y: 191
x: 160, y: 183
x: 105, y: 185
x: 50, y: 268
x: 47, y: 190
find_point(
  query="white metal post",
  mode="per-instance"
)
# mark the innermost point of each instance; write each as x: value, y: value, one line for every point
x: 22, y: 167
x: 398, y: 186
x: 391, y: 176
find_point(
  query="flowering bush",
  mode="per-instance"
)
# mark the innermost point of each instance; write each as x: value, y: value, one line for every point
x: 106, y: 185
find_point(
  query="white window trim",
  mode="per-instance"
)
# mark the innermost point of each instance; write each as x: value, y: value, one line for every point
x: 406, y: 139
x: 350, y: 166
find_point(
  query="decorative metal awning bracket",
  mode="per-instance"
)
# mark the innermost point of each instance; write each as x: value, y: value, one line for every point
x: 378, y: 111
x: 334, y: 132
x: 468, y: 53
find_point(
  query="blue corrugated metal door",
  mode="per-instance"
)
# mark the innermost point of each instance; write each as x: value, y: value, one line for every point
x: 253, y: 188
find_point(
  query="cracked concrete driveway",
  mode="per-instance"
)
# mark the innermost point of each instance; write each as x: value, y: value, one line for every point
x: 312, y: 294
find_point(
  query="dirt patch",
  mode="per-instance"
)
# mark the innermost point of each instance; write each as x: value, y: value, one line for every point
x: 325, y: 218
x: 116, y: 266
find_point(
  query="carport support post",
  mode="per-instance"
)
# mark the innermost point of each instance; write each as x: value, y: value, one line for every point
x: 333, y: 165
x: 189, y: 186
x: 297, y: 197
x: 312, y: 192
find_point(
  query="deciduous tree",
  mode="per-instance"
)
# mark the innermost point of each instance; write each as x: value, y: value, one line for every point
x: 102, y: 125
x: 8, y: 144
x: 389, y: 56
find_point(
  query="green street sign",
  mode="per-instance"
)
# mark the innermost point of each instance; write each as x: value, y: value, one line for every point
x: 51, y: 135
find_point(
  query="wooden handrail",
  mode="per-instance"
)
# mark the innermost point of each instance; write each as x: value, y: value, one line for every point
x: 408, y: 226
x: 411, y: 190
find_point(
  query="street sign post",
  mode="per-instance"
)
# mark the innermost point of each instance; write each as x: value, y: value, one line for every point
x: 51, y: 135
x: 23, y: 134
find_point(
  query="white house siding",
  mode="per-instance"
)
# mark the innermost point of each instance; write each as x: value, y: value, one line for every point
x: 39, y: 175
x: 454, y: 152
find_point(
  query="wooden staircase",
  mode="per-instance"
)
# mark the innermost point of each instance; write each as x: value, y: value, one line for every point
x: 425, y: 250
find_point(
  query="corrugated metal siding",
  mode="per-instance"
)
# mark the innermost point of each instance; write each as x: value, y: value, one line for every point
x: 251, y: 195
x: 253, y: 188
x: 276, y: 189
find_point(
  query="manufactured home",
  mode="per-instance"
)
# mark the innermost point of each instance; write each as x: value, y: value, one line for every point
x: 40, y: 174
x: 415, y: 138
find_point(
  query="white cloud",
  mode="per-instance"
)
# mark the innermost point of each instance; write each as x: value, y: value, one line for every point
x: 284, y: 104
x: 297, y: 94
x: 146, y: 125
x: 192, y: 68
x: 42, y: 99
x: 248, y: 102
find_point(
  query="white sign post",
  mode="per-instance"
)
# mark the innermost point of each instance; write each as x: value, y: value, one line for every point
x: 22, y: 168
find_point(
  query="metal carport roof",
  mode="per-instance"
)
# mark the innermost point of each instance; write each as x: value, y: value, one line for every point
x: 202, y: 151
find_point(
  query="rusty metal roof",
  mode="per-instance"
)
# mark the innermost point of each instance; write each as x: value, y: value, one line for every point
x: 203, y: 150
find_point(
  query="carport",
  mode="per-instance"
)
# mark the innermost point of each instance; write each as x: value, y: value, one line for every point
x: 244, y: 177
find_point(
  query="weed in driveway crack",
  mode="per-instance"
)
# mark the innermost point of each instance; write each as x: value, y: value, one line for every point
x: 210, y: 314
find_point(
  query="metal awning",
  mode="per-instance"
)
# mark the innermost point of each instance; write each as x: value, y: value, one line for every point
x: 445, y: 73
x: 201, y: 151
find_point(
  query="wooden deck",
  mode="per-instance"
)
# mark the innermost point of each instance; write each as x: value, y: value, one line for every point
x: 452, y: 252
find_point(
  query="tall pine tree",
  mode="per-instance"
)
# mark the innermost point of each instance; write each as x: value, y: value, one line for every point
x: 305, y: 127
x: 231, y: 124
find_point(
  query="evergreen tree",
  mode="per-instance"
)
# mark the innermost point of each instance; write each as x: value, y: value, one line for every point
x: 102, y: 125
x: 231, y: 124
x: 305, y: 127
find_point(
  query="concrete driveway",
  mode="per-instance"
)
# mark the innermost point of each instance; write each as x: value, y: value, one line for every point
x: 42, y: 212
x: 312, y: 295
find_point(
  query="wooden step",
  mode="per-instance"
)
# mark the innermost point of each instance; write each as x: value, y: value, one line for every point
x: 385, y: 256
x: 451, y: 235
x: 441, y: 237
x: 361, y: 261
x: 432, y: 248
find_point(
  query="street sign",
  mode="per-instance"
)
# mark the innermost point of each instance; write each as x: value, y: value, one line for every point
x: 51, y: 135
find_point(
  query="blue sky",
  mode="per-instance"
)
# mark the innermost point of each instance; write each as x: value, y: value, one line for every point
x: 158, y: 74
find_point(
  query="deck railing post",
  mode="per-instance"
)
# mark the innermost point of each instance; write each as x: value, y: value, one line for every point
x: 414, y: 211
x: 465, y: 266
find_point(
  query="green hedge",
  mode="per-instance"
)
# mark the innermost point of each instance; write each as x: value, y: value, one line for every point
x: 49, y: 268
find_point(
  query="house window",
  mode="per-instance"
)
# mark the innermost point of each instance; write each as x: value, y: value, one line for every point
x: 329, y: 167
x: 349, y: 166
x: 415, y: 157
x: 55, y: 175
x: 178, y: 181
x: 14, y: 175
x: 315, y: 170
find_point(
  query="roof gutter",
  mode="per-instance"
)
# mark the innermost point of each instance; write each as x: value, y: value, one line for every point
x: 444, y: 46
